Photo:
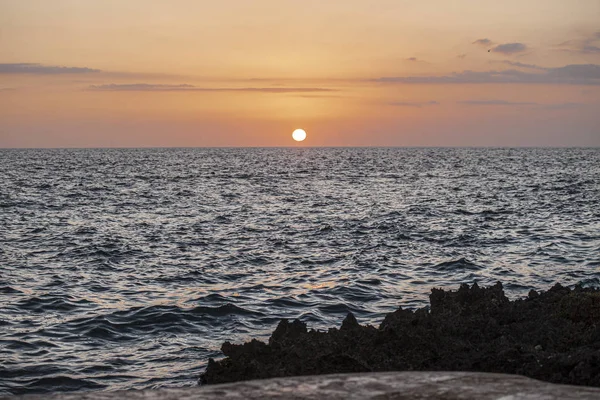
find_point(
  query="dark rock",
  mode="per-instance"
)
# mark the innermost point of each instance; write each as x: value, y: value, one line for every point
x: 287, y: 331
x: 349, y: 323
x: 552, y: 336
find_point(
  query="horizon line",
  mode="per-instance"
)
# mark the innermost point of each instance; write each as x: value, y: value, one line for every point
x: 302, y: 147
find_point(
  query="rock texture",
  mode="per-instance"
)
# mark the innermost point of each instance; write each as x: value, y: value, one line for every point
x: 552, y: 336
x: 390, y: 385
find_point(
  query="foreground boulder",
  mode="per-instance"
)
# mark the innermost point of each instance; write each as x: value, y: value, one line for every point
x: 552, y: 336
x: 386, y: 385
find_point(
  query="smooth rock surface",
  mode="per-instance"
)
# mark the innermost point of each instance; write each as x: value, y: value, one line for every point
x: 386, y: 385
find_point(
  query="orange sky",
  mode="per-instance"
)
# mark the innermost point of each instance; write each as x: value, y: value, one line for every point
x: 108, y: 73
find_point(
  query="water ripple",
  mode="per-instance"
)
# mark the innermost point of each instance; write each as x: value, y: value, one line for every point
x: 128, y: 268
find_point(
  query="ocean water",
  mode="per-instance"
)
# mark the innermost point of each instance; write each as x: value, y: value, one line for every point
x: 127, y: 268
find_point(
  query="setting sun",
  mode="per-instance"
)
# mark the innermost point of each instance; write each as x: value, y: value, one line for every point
x: 146, y: 162
x: 299, y: 135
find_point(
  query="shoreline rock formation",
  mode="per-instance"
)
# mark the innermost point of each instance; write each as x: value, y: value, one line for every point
x: 552, y: 336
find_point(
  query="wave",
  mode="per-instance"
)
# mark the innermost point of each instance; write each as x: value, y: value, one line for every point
x: 60, y: 383
x: 136, y: 323
x: 5, y: 289
x: 457, y: 265
x: 51, y: 303
x: 141, y: 253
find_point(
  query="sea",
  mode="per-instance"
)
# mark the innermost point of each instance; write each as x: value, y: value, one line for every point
x: 128, y: 268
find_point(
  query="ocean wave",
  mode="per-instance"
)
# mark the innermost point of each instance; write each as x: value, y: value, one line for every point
x: 457, y: 265
x: 59, y: 383
x: 134, y: 323
x: 154, y: 257
x: 51, y: 303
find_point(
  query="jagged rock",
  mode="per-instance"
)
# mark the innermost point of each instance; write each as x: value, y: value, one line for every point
x: 349, y: 323
x: 553, y: 336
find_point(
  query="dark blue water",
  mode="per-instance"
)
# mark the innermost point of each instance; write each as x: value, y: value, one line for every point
x: 128, y: 268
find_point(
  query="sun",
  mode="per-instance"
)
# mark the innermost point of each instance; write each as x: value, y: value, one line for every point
x: 299, y: 135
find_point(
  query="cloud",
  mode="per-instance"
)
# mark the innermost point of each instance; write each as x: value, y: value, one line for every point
x: 522, y: 65
x: 461, y: 56
x: 140, y: 87
x: 589, y: 44
x: 319, y: 96
x: 147, y: 87
x: 504, y: 48
x: 574, y: 74
x: 415, y: 60
x: 483, y: 42
x: 509, y: 48
x: 590, y: 49
x: 554, y: 106
x: 40, y: 69
x: 563, y: 106
x: 8, y: 89
x: 413, y: 104
x: 576, y: 71
x: 496, y: 103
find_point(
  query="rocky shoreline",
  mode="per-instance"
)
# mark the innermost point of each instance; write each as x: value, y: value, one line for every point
x: 552, y: 336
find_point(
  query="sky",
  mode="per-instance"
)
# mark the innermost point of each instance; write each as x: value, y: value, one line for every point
x: 154, y: 73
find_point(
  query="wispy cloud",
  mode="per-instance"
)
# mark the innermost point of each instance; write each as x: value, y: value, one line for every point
x: 483, y: 42
x: 589, y: 44
x: 147, y: 87
x: 413, y: 103
x: 415, y: 60
x: 591, y: 49
x: 318, y: 96
x: 551, y: 106
x: 563, y: 106
x: 509, y: 48
x: 576, y: 71
x: 503, y: 48
x: 141, y: 87
x: 496, y: 103
x: 574, y: 74
x: 41, y: 69
x: 522, y: 65
x: 461, y: 56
